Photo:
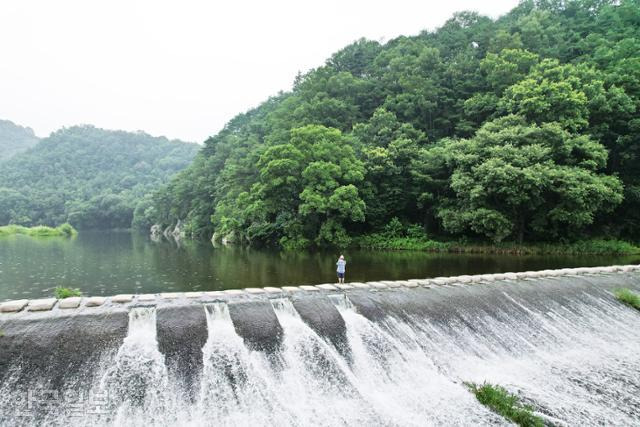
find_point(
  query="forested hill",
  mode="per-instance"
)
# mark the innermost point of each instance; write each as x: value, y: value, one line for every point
x: 15, y: 139
x: 89, y: 177
x: 521, y: 129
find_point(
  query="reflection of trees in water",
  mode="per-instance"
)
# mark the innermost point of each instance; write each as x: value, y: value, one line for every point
x: 107, y: 263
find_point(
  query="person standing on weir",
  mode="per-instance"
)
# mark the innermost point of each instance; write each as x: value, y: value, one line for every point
x: 341, y: 268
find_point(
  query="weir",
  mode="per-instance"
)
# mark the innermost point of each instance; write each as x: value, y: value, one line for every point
x: 378, y: 353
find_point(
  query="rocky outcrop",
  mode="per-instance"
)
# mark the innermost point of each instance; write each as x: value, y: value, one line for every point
x: 216, y: 239
x: 178, y: 231
x: 156, y: 232
x: 167, y: 231
x: 229, y: 239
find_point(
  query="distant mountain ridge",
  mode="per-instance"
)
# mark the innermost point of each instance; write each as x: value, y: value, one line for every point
x: 89, y: 177
x: 15, y: 139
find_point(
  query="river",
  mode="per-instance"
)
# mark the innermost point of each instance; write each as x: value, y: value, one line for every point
x: 108, y: 263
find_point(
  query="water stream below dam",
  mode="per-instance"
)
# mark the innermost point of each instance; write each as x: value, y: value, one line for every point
x: 575, y: 359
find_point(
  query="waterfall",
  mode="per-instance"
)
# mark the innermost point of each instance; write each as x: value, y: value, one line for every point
x: 317, y: 378
x: 136, y: 383
x: 401, y: 380
x: 236, y: 382
x: 574, y: 359
x: 577, y: 363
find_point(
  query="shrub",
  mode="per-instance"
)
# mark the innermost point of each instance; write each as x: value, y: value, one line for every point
x: 500, y: 401
x: 62, y: 293
x: 65, y: 230
x: 628, y: 297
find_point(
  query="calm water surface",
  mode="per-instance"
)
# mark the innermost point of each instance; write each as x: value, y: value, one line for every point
x: 107, y: 263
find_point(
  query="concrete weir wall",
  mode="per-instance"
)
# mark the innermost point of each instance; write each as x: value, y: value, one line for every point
x: 46, y: 339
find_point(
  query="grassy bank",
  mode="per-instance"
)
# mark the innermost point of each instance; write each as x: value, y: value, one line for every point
x: 592, y: 247
x: 500, y: 401
x: 628, y: 297
x: 65, y: 230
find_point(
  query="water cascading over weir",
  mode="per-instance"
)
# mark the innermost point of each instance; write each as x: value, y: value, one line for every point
x: 378, y: 353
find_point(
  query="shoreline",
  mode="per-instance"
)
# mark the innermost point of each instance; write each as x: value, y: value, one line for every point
x: 582, y: 247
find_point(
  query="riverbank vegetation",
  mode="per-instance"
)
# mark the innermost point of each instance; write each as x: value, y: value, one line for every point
x: 500, y: 401
x: 64, y: 230
x: 628, y: 297
x: 583, y: 247
x: 91, y: 178
x: 515, y: 131
x: 62, y: 293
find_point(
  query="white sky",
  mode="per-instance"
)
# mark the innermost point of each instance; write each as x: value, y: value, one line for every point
x: 181, y: 68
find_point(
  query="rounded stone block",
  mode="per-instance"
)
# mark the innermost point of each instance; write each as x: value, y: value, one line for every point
x: 343, y: 287
x: 194, y: 294
x: 291, y: 289
x: 254, y: 290
x: 461, y: 279
x: 13, y: 306
x: 359, y: 285
x: 146, y: 297
x: 95, y: 301
x: 510, y: 276
x: 272, y: 290
x: 377, y: 285
x: 121, y: 299
x: 73, y: 302
x: 171, y: 295
x: 441, y: 281
x: 327, y: 287
x: 44, y: 304
x: 308, y: 288
x: 214, y: 294
x: 392, y: 283
x: 234, y: 292
x: 550, y: 273
x: 410, y: 284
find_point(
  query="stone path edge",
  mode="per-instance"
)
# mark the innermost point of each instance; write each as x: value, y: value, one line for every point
x: 66, y: 305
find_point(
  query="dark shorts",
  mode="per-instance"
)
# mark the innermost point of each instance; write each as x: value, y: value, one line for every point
x: 340, y: 275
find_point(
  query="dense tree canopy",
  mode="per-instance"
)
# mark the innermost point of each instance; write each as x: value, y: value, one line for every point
x: 89, y: 177
x: 15, y: 139
x: 522, y: 128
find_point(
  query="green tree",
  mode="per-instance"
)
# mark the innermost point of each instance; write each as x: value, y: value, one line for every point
x: 307, y: 186
x: 512, y: 179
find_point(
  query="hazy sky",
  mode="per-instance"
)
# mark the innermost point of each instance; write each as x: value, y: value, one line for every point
x: 181, y: 68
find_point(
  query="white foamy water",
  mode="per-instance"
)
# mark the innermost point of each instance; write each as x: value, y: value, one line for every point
x: 576, y: 363
x: 137, y: 381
